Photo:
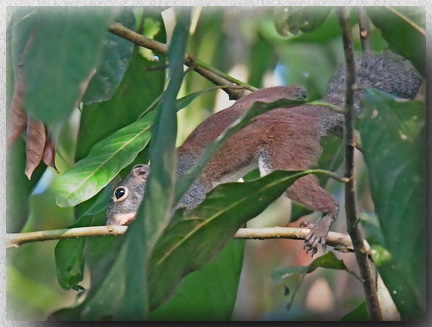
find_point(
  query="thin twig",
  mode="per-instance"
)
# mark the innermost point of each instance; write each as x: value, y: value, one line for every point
x: 332, y: 175
x: 365, y: 29
x: 369, y: 283
x: 341, y: 242
x: 212, y: 74
x: 331, y: 106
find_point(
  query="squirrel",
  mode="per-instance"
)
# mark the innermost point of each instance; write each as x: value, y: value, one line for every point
x: 281, y: 139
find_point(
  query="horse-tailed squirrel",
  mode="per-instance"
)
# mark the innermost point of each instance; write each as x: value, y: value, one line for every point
x: 281, y: 139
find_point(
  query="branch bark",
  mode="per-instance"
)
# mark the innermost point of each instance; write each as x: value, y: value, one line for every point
x: 369, y: 283
x: 340, y: 242
x: 231, y: 85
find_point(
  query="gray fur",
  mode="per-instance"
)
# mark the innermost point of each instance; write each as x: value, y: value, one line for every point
x: 386, y: 71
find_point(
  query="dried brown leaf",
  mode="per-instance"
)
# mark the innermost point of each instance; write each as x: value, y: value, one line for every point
x: 35, y: 145
x: 49, y: 152
x: 17, y: 120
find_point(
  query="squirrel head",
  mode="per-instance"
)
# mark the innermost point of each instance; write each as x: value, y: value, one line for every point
x: 127, y: 197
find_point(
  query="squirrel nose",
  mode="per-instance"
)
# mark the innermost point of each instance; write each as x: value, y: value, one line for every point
x: 302, y: 92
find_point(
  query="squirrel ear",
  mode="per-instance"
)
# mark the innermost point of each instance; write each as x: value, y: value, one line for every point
x: 140, y: 171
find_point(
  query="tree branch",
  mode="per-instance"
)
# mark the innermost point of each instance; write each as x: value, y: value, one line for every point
x: 340, y: 242
x: 212, y: 74
x: 369, y: 283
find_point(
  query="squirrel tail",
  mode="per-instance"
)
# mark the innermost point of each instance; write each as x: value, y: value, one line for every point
x: 385, y: 71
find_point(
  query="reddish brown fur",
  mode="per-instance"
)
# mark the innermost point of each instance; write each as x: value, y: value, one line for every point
x: 288, y: 137
x: 213, y: 126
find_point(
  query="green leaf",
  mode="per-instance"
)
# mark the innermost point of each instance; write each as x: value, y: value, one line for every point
x: 117, y: 52
x: 66, y: 45
x: 191, y: 242
x: 371, y: 226
x: 23, y: 21
x: 380, y: 255
x: 292, y: 20
x: 89, y: 175
x: 69, y: 253
x: 159, y: 200
x: 404, y: 29
x: 256, y: 109
x: 208, y: 293
x: 262, y: 60
x: 19, y: 187
x: 156, y: 207
x: 128, y: 102
x: 328, y: 260
x: 394, y: 144
x: 187, y: 100
x: 358, y: 314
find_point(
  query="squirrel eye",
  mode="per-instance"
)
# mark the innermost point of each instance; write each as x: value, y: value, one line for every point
x: 120, y: 194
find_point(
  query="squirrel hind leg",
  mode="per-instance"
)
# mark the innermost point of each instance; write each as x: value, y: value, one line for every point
x: 306, y: 191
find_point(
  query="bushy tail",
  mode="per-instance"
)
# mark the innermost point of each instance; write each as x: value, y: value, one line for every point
x: 385, y: 71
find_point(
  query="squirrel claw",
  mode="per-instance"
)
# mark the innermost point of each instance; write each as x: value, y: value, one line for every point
x: 317, y: 235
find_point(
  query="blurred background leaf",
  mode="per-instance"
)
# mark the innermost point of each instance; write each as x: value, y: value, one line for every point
x: 53, y: 78
x: 403, y: 23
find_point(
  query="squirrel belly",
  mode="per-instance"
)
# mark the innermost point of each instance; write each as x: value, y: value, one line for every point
x: 281, y: 139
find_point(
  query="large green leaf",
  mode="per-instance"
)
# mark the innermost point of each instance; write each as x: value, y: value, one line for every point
x: 89, y: 175
x: 66, y: 45
x: 191, y: 241
x: 117, y: 52
x: 209, y: 293
x: 156, y: 207
x: 394, y: 144
x: 404, y: 29
x: 23, y: 21
x: 19, y: 187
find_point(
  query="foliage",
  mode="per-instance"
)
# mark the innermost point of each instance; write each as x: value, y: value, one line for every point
x: 189, y: 268
x: 397, y: 176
